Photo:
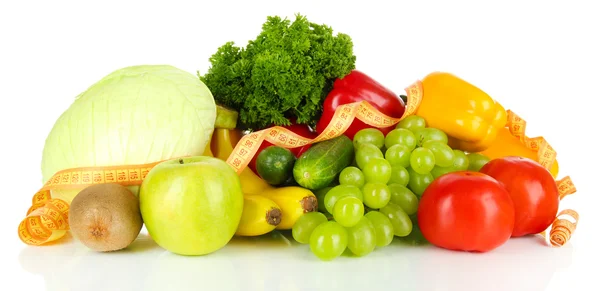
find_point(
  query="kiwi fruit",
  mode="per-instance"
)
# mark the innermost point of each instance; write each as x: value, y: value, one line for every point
x: 105, y: 217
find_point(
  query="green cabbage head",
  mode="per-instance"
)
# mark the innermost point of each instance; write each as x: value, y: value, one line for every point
x: 135, y: 115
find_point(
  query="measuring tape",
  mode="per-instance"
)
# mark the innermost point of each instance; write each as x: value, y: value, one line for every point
x: 562, y: 228
x: 47, y: 218
x: 342, y: 119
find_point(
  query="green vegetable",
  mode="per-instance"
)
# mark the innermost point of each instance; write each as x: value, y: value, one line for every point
x: 274, y: 164
x: 321, y: 164
x: 285, y: 73
x: 134, y: 115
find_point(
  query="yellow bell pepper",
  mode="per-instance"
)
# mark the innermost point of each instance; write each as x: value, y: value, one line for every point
x: 469, y: 116
x: 508, y: 145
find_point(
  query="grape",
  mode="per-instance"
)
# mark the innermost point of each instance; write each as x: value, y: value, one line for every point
x: 384, y: 230
x: 444, y: 155
x: 417, y: 183
x: 404, y: 198
x: 321, y: 198
x: 328, y: 240
x: 412, y: 122
x: 415, y: 237
x: 369, y: 135
x: 401, y: 136
x: 424, y: 135
x: 477, y: 161
x: 339, y: 192
x: 352, y: 176
x: 376, y: 195
x: 420, y: 135
x: 305, y: 225
x: 365, y: 153
x: 377, y: 170
x: 435, y: 134
x: 438, y: 171
x: 461, y: 162
x: 422, y: 160
x: 400, y: 220
x: 348, y: 210
x: 398, y: 155
x: 362, y: 238
x: 399, y: 175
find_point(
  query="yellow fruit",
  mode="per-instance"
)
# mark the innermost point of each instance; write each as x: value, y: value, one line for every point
x: 252, y: 184
x: 222, y: 144
x: 207, y: 150
x: 293, y: 201
x: 260, y: 216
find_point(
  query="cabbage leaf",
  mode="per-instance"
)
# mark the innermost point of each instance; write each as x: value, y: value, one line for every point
x: 135, y: 115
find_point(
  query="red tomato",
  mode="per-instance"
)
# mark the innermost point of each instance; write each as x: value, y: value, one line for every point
x: 533, y: 191
x: 467, y: 211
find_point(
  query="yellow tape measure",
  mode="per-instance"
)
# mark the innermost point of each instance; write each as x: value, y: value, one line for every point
x: 562, y: 229
x: 47, y: 218
x: 342, y: 119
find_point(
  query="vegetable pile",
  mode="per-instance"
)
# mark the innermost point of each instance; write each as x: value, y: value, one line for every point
x: 412, y: 179
x: 162, y: 146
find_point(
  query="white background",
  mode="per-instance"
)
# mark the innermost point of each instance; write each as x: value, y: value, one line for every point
x: 538, y: 58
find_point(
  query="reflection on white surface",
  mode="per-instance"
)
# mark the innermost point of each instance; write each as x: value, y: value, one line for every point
x: 276, y: 262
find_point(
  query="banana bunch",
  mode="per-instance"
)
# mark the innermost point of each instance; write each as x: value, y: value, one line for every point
x: 266, y: 208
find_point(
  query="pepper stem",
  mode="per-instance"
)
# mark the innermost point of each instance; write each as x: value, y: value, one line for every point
x: 404, y: 99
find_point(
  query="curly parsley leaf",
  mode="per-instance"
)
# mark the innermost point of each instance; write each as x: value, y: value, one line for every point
x: 284, y: 73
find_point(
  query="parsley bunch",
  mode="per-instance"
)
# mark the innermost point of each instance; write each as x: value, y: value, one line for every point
x: 285, y: 73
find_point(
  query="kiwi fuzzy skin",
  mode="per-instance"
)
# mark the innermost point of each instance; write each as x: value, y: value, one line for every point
x: 105, y: 217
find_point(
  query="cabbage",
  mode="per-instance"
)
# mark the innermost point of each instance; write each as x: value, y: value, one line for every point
x: 135, y: 115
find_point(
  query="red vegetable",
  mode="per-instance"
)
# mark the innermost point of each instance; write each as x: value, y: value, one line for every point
x: 300, y: 129
x: 354, y: 87
x: 533, y: 191
x: 467, y: 211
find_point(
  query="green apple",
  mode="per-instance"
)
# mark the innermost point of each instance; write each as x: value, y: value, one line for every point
x: 191, y: 206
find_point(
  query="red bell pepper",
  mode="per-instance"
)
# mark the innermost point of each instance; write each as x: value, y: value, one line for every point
x: 354, y: 87
x: 300, y: 129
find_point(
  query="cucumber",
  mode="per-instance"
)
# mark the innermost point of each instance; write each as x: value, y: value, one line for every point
x: 320, y: 165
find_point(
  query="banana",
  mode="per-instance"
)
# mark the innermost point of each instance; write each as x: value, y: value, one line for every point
x: 222, y: 144
x: 294, y: 201
x: 260, y: 216
x: 291, y: 201
x: 252, y: 184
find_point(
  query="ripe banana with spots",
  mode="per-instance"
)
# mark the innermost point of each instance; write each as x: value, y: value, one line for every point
x: 294, y: 201
x: 291, y: 201
x: 260, y: 216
